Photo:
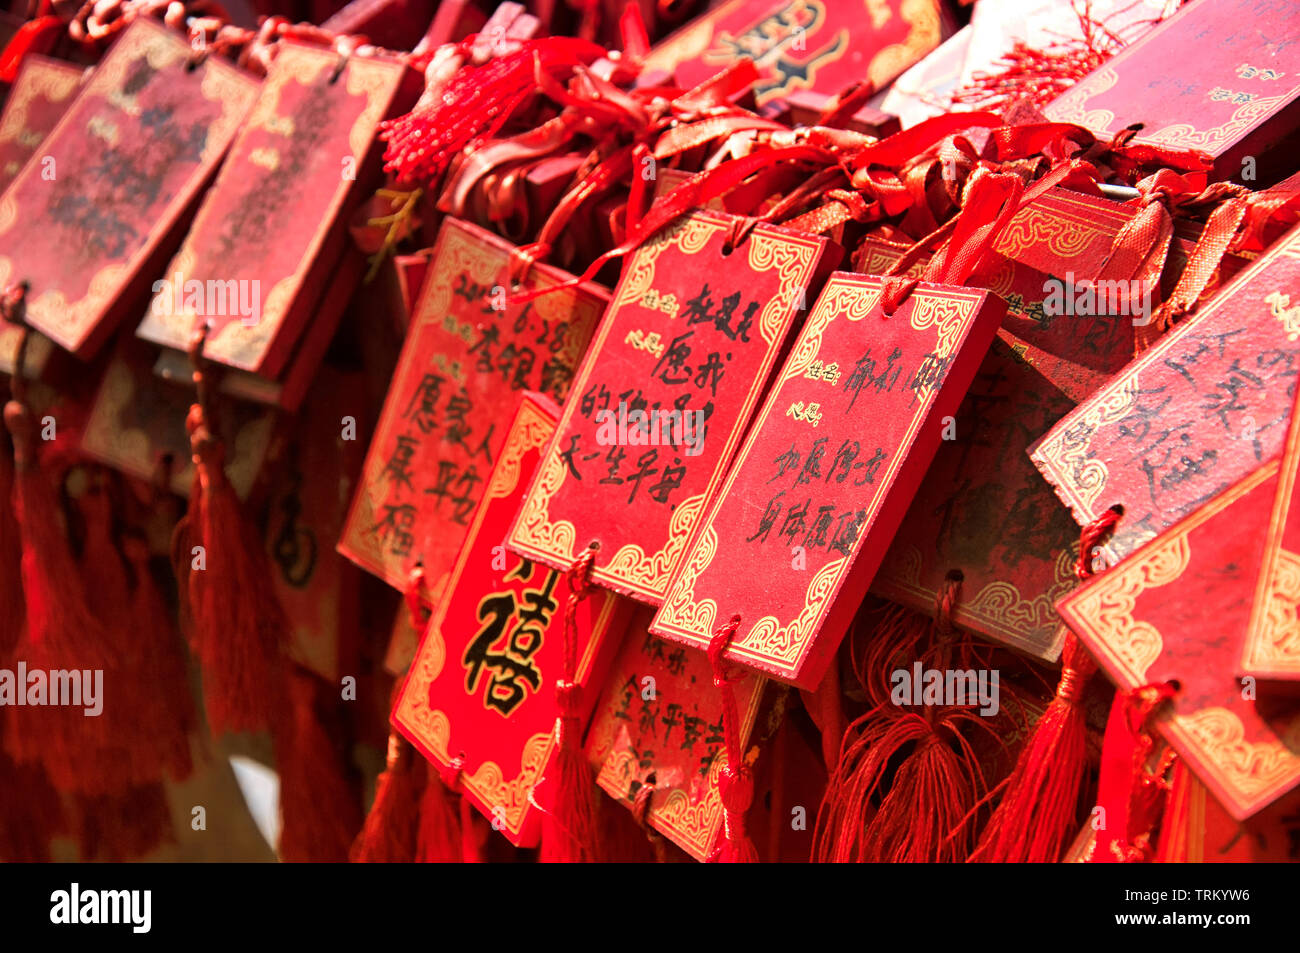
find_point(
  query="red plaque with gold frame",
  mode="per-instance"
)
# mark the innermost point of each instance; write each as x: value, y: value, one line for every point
x: 1272, y: 647
x: 271, y: 230
x: 978, y: 508
x: 796, y: 534
x: 1201, y: 409
x: 1220, y: 77
x: 818, y: 45
x: 37, y: 100
x: 92, y: 217
x: 482, y: 685
x: 1176, y: 611
x: 663, y: 398
x: 444, y: 420
x: 659, y: 722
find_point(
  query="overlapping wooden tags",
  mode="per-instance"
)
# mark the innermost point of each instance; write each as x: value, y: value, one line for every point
x: 469, y: 350
x: 982, y: 507
x: 792, y: 540
x: 39, y: 97
x: 270, y: 233
x: 482, y: 686
x: 91, y: 219
x: 313, y: 477
x: 820, y: 45
x: 1176, y: 611
x: 1220, y: 77
x: 659, y: 722
x: 663, y: 398
x: 1195, y: 413
x: 1195, y: 829
x: 136, y: 419
x: 1272, y: 644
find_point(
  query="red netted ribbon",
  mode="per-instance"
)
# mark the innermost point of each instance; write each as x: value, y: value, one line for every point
x: 1130, y: 796
x: 736, y: 779
x: 570, y: 823
x: 1039, y: 804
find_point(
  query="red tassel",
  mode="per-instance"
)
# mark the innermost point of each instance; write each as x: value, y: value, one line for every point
x: 923, y: 812
x: 237, y: 626
x: 1038, y: 813
x: 571, y: 822
x: 31, y: 813
x: 13, y: 605
x: 736, y: 779
x: 168, y: 716
x: 149, y: 710
x: 126, y: 825
x: 475, y: 103
x: 441, y: 837
x: 79, y: 752
x: 1036, y: 817
x: 1025, y: 75
x: 391, y: 830
x: 1130, y: 796
x: 320, y: 811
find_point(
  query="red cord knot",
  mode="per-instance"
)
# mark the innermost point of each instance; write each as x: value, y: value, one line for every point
x: 398, y: 752
x: 736, y: 788
x: 736, y: 791
x: 580, y: 573
x: 1072, y: 684
x: 568, y: 696
x: 22, y: 427
x: 740, y: 229
x: 568, y: 729
x: 718, y: 645
x: 641, y: 804
x: 857, y: 206
x: 1123, y: 137
x: 735, y: 783
x: 1091, y: 536
x: 1142, y: 701
x: 13, y: 301
x: 894, y: 290
x: 451, y: 773
x: 414, y: 605
x: 206, y: 449
x: 522, y: 260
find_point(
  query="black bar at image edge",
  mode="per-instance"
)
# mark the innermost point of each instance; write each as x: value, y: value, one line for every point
x: 330, y: 903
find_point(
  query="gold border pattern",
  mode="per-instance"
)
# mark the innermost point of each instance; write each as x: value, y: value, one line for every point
x: 70, y: 323
x: 430, y: 727
x: 631, y: 570
x: 1247, y: 775
x: 769, y: 642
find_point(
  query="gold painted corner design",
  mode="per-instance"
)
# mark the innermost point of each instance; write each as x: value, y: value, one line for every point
x: 631, y: 568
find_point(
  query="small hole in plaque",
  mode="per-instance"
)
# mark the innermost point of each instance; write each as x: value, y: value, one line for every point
x: 727, y: 249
